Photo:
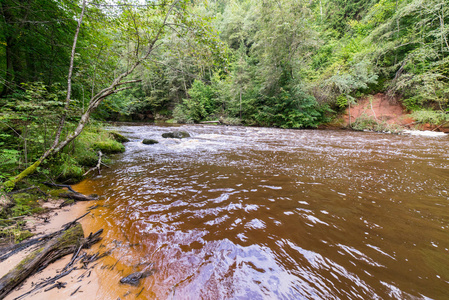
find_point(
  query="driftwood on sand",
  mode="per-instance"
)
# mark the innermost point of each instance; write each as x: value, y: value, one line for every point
x: 47, y: 249
x: 66, y: 241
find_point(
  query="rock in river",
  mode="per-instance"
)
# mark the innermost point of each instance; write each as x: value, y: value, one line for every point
x: 176, y: 134
x: 149, y: 142
x: 134, y: 278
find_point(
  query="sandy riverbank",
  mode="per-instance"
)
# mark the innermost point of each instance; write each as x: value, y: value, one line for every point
x: 80, y: 282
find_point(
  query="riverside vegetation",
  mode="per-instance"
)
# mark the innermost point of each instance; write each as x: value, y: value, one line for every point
x: 285, y: 64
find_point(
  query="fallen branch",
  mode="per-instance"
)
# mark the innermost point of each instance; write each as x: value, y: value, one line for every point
x: 28, y: 189
x: 73, y: 293
x: 14, y: 218
x: 97, y: 167
x: 441, y: 125
x: 78, y: 197
x: 61, y: 186
x: 70, y: 224
x: 210, y: 122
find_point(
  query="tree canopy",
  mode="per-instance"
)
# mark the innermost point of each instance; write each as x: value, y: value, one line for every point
x: 286, y: 63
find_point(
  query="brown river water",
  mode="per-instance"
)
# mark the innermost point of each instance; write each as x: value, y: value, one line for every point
x: 262, y: 213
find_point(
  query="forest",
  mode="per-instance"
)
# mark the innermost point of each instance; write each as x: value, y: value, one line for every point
x: 66, y: 66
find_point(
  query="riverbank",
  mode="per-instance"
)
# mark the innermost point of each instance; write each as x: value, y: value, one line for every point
x: 81, y: 280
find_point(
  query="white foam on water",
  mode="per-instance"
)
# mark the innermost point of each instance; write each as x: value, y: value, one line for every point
x: 424, y: 133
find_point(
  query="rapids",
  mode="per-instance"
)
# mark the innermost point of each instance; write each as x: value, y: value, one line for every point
x: 262, y: 213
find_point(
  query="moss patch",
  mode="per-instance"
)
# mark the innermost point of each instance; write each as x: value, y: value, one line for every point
x: 118, y: 137
x: 25, y: 204
x: 109, y: 146
x: 56, y: 193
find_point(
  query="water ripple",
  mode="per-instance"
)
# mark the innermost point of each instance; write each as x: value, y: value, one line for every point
x: 260, y: 213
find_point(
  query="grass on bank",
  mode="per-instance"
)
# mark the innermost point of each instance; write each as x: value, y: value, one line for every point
x: 431, y: 117
x: 82, y: 153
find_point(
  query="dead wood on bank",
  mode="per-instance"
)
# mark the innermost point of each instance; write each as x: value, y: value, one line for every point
x: 68, y: 240
x: 28, y: 189
x: 50, y: 184
x: 13, y: 249
x: 78, y: 196
x: 49, y: 248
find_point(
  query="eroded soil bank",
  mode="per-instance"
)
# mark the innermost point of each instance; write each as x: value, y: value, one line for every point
x: 383, y: 109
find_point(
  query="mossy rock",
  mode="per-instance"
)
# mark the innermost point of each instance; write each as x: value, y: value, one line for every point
x: 109, y: 146
x: 118, y: 137
x: 176, y: 134
x: 149, y: 142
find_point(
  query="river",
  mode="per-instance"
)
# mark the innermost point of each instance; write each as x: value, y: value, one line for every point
x: 263, y: 213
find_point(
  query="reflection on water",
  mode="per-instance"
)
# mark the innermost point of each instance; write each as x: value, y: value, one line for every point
x: 258, y: 213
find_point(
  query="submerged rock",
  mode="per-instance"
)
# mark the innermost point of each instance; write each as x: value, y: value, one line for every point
x: 149, y: 142
x: 176, y: 134
x: 134, y: 278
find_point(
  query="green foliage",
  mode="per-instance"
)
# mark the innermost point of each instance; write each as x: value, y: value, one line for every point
x: 15, y: 233
x: 339, y: 13
x: 203, y: 102
x: 180, y: 115
x: 34, y: 41
x: 368, y: 123
x: 342, y: 101
x: 263, y: 82
x: 109, y: 146
x: 289, y: 110
x: 344, y: 85
x: 430, y: 116
x: 25, y: 203
x: 91, y: 140
x: 9, y: 157
x: 413, y: 50
x: 66, y: 169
